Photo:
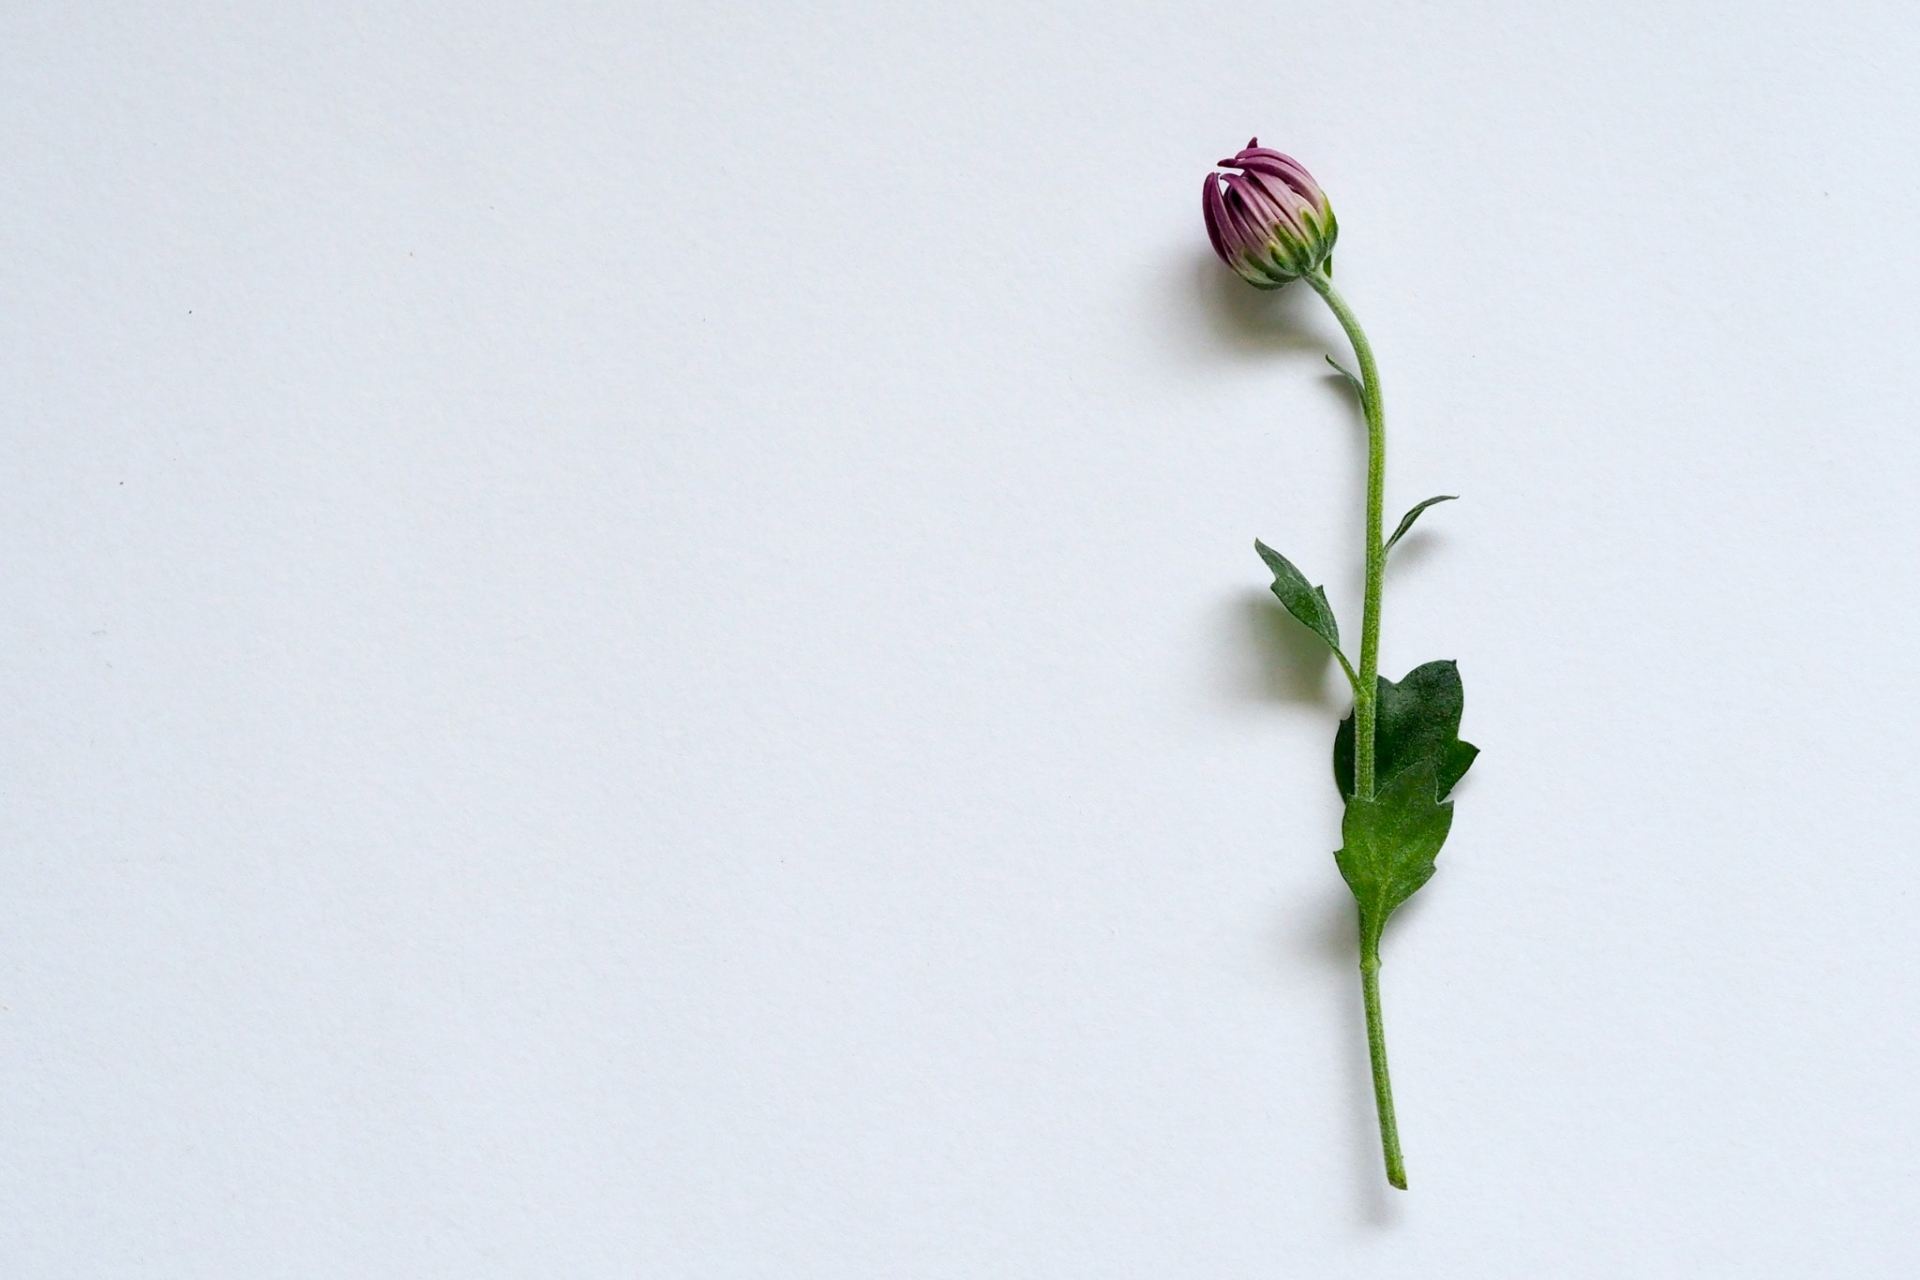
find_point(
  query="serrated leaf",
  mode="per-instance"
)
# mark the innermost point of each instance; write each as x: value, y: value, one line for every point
x: 1359, y: 388
x: 1417, y: 720
x: 1305, y: 602
x: 1389, y: 842
x: 1406, y: 521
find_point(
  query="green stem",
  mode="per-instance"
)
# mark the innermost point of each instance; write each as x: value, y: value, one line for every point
x: 1365, y: 700
x: 1376, y: 557
x: 1377, y: 1056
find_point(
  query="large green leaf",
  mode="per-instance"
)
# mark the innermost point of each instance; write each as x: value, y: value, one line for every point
x: 1305, y: 602
x: 1389, y: 842
x: 1417, y: 720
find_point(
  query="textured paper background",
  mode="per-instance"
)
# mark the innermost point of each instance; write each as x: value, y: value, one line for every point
x: 629, y: 643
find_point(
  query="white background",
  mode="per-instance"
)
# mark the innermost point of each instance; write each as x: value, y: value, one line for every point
x: 629, y: 643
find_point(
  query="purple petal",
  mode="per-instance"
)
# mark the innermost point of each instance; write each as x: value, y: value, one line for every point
x: 1272, y: 212
x: 1284, y: 168
x: 1214, y: 211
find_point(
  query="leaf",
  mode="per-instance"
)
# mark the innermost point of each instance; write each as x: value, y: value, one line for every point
x: 1307, y: 603
x: 1406, y: 521
x: 1389, y: 842
x: 1359, y: 388
x: 1417, y: 721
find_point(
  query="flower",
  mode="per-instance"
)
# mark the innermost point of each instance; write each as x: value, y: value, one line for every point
x: 1270, y: 222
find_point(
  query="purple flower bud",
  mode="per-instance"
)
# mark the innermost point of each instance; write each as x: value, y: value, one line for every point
x: 1270, y: 221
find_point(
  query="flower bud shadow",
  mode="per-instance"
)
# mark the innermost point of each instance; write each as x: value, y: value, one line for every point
x: 1252, y: 323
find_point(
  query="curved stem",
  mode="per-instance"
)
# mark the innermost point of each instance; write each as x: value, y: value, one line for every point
x: 1366, y: 694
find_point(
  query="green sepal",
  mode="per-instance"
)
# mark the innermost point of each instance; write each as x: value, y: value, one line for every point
x: 1359, y: 388
x: 1415, y: 721
x: 1406, y: 521
x: 1305, y: 602
x: 1389, y: 842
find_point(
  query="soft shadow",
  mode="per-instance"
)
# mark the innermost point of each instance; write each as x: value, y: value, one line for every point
x: 1247, y: 322
x: 1218, y: 318
x: 1285, y: 662
x: 1413, y: 550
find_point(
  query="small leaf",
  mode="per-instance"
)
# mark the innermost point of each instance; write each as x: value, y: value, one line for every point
x: 1389, y: 842
x: 1416, y: 721
x: 1359, y: 388
x: 1307, y: 603
x: 1406, y: 521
